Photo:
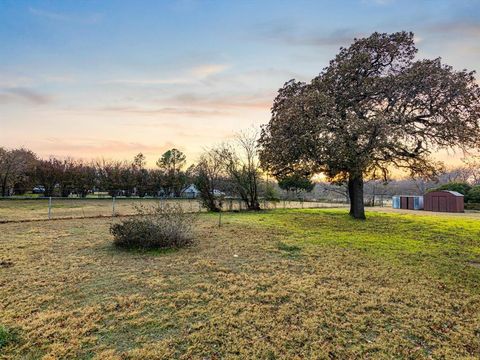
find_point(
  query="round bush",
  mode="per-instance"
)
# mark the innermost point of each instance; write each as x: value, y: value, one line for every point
x: 474, y: 195
x: 155, y: 227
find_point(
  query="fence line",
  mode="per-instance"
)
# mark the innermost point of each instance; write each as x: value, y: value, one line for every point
x: 76, y: 208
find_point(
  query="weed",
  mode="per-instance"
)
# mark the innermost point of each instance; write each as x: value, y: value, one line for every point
x: 7, y: 336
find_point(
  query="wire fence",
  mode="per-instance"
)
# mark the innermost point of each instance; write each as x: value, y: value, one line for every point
x: 22, y: 209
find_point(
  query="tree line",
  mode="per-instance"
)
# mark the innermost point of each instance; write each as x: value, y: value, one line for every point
x: 219, y: 171
x: 228, y: 169
x: 21, y: 170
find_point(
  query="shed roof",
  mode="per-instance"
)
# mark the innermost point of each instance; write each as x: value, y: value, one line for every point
x: 454, y: 193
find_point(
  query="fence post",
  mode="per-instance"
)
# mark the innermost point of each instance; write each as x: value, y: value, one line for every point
x: 113, y: 206
x: 49, y: 207
x: 220, y: 218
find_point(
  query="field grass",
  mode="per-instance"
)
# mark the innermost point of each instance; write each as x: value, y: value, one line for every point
x: 284, y: 284
x: 17, y: 210
x: 66, y: 208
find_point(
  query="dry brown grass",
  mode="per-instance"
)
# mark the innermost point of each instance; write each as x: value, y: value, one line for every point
x: 68, y: 208
x: 304, y: 284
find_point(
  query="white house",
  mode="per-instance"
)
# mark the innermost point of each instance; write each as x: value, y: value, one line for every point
x: 191, y: 192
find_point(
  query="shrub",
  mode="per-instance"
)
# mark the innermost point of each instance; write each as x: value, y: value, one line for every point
x: 472, y: 206
x: 158, y: 226
x: 474, y: 194
x: 271, y: 194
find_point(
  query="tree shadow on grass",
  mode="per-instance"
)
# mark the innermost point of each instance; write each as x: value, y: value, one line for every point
x: 143, y: 251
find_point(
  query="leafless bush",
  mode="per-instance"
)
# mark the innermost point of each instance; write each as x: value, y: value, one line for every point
x: 158, y: 226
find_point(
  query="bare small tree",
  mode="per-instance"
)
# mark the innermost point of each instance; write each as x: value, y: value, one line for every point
x: 472, y: 168
x: 209, y: 173
x: 337, y: 189
x: 242, y: 165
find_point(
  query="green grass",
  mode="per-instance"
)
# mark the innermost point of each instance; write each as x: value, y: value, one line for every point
x: 7, y: 336
x: 288, y: 248
x: 282, y: 284
x: 449, y: 244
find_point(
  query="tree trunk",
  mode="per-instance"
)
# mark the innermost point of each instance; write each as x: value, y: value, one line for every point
x: 4, y: 186
x: 254, y: 205
x: 210, y: 202
x: 355, y: 191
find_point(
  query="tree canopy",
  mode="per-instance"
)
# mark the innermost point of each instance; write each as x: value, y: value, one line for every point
x: 172, y: 161
x: 171, y: 164
x: 374, y: 107
x: 295, y: 183
x: 15, y: 166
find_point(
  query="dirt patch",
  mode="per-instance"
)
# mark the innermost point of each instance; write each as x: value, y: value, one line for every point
x: 475, y: 264
x: 6, y: 263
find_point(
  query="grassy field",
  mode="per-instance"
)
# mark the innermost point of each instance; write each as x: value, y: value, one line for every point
x: 284, y: 284
x: 65, y: 208
x: 15, y: 210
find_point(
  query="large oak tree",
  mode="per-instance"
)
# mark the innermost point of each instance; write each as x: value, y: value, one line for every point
x: 373, y: 108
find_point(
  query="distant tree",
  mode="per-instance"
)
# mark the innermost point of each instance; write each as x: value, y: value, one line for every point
x: 49, y: 174
x: 113, y: 176
x: 209, y: 174
x: 155, y: 182
x: 140, y: 174
x: 329, y: 189
x: 295, y: 184
x: 85, y: 178
x: 139, y: 161
x: 66, y: 180
x: 371, y: 109
x: 171, y: 163
x: 65, y: 177
x: 472, y: 168
x: 128, y: 180
x: 16, y: 166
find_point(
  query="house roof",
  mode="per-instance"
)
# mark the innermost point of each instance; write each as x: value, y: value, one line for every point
x: 191, y: 188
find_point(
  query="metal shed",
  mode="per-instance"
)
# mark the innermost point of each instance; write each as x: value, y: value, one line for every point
x: 444, y: 201
x: 412, y: 202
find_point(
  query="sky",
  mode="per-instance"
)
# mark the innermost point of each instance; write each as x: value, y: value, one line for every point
x: 113, y: 78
